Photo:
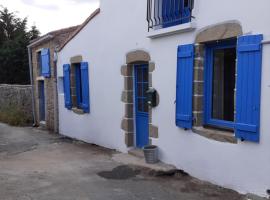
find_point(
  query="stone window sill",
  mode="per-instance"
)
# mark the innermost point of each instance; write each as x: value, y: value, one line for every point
x: 78, y: 111
x: 171, y: 30
x: 215, y: 134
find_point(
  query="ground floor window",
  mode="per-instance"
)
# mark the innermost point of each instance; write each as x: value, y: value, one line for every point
x: 227, y: 86
x: 220, y: 82
x: 76, y: 86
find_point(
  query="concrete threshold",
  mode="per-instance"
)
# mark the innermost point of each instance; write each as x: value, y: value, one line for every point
x: 131, y: 159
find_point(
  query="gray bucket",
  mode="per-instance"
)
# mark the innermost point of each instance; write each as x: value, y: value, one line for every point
x: 151, y: 154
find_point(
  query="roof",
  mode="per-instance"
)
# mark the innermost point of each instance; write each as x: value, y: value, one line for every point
x: 60, y: 35
x: 96, y: 12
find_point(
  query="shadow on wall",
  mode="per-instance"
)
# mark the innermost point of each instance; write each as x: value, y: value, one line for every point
x: 15, y: 105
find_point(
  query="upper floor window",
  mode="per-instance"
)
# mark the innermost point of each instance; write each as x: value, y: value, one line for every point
x: 39, y: 67
x: 167, y: 13
x: 43, y: 63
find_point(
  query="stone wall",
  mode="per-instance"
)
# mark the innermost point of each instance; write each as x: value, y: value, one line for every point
x: 16, y: 104
x: 49, y: 84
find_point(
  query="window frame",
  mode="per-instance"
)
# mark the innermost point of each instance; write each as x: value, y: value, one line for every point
x: 78, y: 85
x: 208, y: 79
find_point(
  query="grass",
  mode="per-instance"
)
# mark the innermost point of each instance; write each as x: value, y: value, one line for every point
x: 14, y: 116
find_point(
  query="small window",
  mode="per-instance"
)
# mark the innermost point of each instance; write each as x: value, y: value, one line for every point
x: 39, y: 64
x: 220, y: 79
x: 76, y: 85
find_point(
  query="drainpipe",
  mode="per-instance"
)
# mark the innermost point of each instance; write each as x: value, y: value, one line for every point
x: 55, y: 89
x: 32, y: 84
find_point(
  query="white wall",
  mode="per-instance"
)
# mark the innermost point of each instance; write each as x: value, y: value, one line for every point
x: 121, y: 27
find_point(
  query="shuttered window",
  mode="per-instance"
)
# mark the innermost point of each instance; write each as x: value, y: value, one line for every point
x: 45, y: 63
x: 249, y: 66
x: 184, y: 86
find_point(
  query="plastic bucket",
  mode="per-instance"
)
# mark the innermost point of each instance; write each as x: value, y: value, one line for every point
x: 151, y: 154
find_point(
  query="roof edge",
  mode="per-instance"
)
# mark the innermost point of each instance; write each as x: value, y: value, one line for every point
x: 44, y: 38
x: 95, y: 13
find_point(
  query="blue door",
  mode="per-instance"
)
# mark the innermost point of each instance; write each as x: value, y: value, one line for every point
x: 41, y: 101
x: 141, y: 106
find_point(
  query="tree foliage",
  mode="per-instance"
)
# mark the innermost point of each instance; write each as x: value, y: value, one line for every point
x: 14, y: 38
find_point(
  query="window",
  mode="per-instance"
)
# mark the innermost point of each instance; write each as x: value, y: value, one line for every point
x: 164, y: 13
x: 232, y: 86
x: 39, y: 66
x: 76, y: 86
x: 220, y: 84
x: 43, y: 63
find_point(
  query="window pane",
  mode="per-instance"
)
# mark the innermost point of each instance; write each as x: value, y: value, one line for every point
x: 139, y: 89
x: 140, y: 105
x: 145, y: 88
x: 145, y: 105
x: 223, y: 84
x: 139, y: 75
x: 145, y: 74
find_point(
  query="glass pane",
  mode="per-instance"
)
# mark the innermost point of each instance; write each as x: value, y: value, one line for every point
x: 145, y: 88
x: 223, y: 84
x: 140, y: 105
x: 139, y: 75
x: 145, y: 75
x: 139, y: 89
x: 145, y: 105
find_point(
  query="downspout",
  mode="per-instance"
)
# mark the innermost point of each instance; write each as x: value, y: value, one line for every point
x: 32, y: 84
x: 55, y: 88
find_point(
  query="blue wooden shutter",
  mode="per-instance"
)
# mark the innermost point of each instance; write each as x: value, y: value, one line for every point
x: 171, y: 12
x: 248, y: 92
x: 184, y: 86
x: 85, y: 87
x: 45, y: 63
x: 186, y: 12
x: 67, y: 92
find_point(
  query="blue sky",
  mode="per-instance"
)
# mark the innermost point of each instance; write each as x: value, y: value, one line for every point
x: 50, y: 15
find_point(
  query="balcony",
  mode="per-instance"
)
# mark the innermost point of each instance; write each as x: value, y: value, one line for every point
x: 168, y: 13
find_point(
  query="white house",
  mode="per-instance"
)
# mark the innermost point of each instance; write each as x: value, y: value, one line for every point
x: 207, y: 65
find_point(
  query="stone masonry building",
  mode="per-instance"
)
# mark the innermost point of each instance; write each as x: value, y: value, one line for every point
x: 43, y: 74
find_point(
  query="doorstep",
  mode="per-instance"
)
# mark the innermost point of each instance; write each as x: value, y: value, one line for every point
x: 137, y: 159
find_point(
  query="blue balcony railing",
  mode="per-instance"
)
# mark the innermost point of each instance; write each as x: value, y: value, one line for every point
x: 166, y: 13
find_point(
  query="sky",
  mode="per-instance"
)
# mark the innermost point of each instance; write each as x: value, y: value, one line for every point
x: 49, y: 15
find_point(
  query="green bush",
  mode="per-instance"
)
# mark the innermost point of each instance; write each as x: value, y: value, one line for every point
x: 14, y: 117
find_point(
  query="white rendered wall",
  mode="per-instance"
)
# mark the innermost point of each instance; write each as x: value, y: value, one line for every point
x: 120, y: 28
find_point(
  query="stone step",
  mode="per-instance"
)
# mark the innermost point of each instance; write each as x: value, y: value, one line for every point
x: 136, y: 152
x: 128, y: 159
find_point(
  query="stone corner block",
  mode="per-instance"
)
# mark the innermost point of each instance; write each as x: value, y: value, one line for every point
x: 127, y: 96
x: 127, y: 124
x: 152, y: 66
x: 126, y: 70
x: 129, y: 139
x: 153, y: 131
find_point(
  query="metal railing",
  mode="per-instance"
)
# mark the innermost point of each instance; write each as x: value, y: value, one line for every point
x: 166, y: 13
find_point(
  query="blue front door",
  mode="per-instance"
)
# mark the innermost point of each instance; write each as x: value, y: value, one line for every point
x: 141, y: 106
x: 41, y: 101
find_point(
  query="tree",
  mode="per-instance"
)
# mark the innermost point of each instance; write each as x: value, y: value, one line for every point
x: 14, y: 39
